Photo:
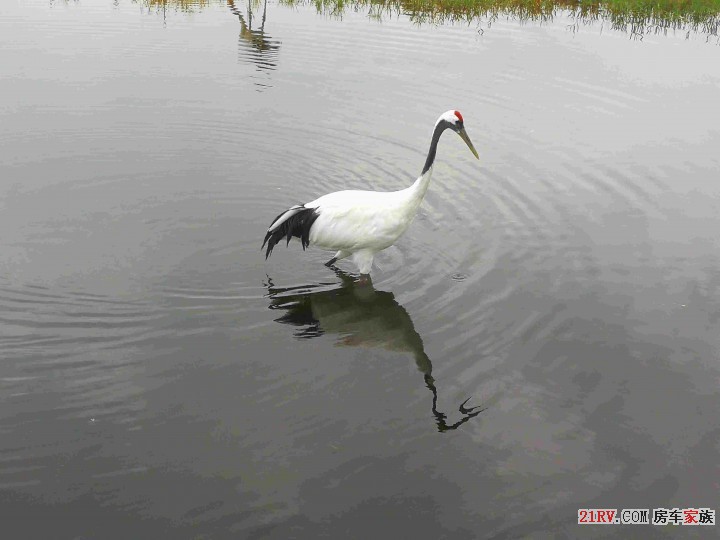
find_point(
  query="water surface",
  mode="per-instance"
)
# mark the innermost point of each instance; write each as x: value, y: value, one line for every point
x: 160, y: 379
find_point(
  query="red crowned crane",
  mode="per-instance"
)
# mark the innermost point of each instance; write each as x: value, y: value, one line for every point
x: 358, y: 224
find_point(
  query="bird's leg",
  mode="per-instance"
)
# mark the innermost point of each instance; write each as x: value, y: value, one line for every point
x: 339, y: 255
x: 363, y: 259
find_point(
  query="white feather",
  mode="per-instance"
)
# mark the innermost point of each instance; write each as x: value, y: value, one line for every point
x: 363, y: 220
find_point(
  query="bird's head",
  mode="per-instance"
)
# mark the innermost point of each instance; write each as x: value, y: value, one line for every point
x: 453, y: 120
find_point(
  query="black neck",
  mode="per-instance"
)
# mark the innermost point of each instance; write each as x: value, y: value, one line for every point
x: 439, y: 128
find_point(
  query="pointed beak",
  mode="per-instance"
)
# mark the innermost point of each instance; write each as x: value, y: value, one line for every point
x: 464, y: 136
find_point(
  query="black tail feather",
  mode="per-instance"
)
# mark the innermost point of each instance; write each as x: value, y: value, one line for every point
x: 297, y: 225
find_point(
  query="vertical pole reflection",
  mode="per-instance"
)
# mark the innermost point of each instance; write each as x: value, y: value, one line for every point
x: 363, y: 317
x: 254, y: 44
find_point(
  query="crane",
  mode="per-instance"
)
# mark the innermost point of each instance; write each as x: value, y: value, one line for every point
x: 359, y: 224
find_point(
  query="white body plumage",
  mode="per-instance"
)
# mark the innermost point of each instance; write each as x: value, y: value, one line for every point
x: 358, y: 224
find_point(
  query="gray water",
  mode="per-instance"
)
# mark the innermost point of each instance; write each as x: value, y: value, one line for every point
x: 160, y: 379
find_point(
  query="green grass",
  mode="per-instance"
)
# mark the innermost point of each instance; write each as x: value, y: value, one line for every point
x: 637, y: 17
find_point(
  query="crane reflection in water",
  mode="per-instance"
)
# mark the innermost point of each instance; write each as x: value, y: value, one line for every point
x: 254, y: 44
x: 363, y: 317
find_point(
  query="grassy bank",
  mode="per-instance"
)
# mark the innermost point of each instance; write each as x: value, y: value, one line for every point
x: 637, y: 17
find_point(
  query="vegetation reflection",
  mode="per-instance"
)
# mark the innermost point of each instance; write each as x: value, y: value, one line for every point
x: 254, y: 43
x: 637, y: 17
x: 263, y: 48
x: 363, y: 317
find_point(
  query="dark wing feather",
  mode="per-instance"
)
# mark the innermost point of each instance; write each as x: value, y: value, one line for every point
x: 297, y: 225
